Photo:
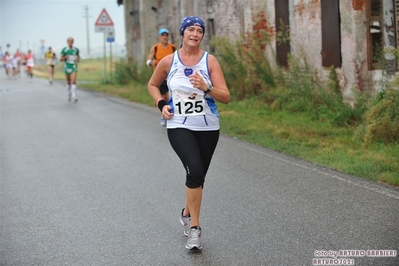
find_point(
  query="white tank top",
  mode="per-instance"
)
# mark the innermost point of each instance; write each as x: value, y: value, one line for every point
x: 192, y: 108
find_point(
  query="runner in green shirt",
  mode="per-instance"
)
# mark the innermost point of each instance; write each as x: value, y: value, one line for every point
x: 70, y: 56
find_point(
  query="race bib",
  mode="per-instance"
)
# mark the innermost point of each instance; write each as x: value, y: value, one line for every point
x: 49, y: 61
x: 71, y: 59
x: 188, y: 103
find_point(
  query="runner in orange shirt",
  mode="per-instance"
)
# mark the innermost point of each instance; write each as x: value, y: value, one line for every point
x: 157, y: 52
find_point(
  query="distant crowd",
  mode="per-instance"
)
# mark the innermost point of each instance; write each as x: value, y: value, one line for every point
x: 14, y: 64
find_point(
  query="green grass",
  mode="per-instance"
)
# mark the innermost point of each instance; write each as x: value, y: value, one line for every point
x: 317, y: 142
x: 89, y: 71
x: 296, y: 134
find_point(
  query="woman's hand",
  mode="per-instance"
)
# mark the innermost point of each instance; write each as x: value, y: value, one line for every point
x: 198, y: 82
x: 166, y: 112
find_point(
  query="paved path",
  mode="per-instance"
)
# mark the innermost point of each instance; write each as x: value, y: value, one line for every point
x: 97, y: 183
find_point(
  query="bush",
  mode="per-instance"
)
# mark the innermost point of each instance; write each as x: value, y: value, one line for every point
x: 231, y: 59
x: 249, y: 73
x: 126, y: 72
x: 123, y: 73
x: 381, y: 120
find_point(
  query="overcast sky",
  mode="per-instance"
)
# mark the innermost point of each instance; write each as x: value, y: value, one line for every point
x: 23, y: 23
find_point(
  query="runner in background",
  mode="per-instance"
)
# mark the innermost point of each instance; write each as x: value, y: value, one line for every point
x: 2, y: 58
x: 18, y: 57
x: 30, y: 63
x: 14, y: 67
x: 70, y: 56
x: 157, y: 52
x: 7, y: 61
x: 50, y: 58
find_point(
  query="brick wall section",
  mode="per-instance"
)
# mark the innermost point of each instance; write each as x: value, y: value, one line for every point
x: 261, y: 29
x: 358, y: 4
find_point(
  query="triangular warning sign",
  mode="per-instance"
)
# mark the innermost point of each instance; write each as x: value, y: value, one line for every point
x: 104, y: 19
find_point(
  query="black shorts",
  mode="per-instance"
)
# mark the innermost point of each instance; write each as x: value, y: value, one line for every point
x: 164, y: 87
x: 195, y: 150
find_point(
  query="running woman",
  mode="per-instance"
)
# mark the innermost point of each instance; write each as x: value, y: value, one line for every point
x: 30, y: 63
x: 14, y: 67
x: 195, y: 81
x: 7, y: 60
x: 18, y: 57
x: 50, y: 58
x: 70, y: 56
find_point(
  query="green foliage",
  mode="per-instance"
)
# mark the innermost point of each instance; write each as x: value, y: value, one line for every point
x: 234, y: 67
x: 381, y: 120
x: 283, y: 35
x: 249, y: 73
x: 245, y: 65
x: 125, y: 72
x: 141, y: 72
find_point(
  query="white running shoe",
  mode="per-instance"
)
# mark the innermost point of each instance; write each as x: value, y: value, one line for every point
x: 194, y: 238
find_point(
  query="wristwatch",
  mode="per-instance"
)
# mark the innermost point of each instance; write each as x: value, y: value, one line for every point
x: 209, y: 89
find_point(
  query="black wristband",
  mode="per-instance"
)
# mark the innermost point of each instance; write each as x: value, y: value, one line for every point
x: 161, y: 104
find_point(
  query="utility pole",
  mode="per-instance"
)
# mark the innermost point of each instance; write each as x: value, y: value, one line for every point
x: 87, y: 30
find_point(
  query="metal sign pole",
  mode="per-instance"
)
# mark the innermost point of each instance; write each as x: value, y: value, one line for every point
x: 110, y: 56
x: 105, y: 59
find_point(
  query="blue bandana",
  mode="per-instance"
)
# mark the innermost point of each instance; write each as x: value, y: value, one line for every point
x: 191, y: 21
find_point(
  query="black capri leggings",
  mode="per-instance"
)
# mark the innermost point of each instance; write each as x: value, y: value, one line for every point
x: 195, y: 150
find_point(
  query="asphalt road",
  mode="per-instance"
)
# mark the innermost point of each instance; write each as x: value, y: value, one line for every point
x: 97, y: 183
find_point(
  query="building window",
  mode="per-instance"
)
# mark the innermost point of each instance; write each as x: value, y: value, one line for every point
x: 374, y: 33
x: 330, y: 33
x: 283, y: 47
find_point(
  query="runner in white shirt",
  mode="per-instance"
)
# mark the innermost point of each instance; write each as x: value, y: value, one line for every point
x: 30, y: 63
x: 7, y: 60
x: 14, y: 67
x: 18, y: 57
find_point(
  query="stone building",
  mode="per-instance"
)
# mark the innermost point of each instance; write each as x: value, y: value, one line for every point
x: 347, y: 34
